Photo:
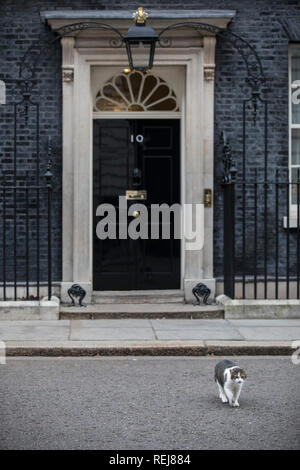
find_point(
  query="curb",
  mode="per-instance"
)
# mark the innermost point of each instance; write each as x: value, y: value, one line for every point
x: 209, y: 348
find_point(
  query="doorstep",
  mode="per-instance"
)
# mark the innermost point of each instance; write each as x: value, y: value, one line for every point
x: 141, y: 310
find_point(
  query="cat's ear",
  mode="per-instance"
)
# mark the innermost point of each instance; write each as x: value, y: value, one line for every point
x: 243, y: 374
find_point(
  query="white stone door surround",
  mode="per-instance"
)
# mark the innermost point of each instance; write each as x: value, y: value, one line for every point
x: 81, y: 51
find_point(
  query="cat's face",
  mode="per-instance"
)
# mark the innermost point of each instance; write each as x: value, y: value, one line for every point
x: 238, y: 375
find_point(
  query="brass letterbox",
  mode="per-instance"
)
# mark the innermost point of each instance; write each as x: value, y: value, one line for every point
x: 133, y: 194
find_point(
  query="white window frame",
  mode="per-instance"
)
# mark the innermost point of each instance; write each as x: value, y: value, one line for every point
x: 293, y: 207
x: 2, y: 92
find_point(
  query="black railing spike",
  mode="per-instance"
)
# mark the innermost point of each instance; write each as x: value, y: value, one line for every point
x: 230, y: 170
x: 48, y: 175
x: 49, y: 147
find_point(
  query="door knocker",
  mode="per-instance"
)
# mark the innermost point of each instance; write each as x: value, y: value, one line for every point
x: 136, y: 177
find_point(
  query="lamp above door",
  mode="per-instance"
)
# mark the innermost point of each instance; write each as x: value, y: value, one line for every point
x: 140, y: 42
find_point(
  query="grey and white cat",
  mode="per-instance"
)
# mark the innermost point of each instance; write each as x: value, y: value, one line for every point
x: 230, y: 379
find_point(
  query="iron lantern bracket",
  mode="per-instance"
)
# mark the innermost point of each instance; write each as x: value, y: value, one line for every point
x: 255, y: 74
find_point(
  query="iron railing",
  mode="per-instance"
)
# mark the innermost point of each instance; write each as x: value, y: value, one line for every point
x: 262, y: 235
x: 25, y: 260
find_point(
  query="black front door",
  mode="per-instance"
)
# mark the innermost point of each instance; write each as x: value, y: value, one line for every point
x: 139, y: 158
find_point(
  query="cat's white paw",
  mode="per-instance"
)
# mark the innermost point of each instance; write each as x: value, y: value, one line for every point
x: 224, y: 400
x: 235, y: 404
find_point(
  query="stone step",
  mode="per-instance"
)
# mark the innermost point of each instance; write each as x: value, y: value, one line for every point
x: 137, y: 297
x: 142, y: 310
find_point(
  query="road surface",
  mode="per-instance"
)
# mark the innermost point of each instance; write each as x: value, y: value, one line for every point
x: 146, y: 403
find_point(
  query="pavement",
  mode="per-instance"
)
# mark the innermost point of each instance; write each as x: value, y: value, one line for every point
x: 146, y: 403
x: 149, y: 337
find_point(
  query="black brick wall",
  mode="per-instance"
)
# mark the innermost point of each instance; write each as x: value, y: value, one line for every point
x: 258, y: 21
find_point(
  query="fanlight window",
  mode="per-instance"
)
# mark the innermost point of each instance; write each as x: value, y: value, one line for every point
x: 136, y: 91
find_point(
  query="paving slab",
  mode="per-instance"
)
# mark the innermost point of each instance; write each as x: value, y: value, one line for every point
x: 165, y: 324
x: 34, y: 329
x: 100, y: 333
x: 271, y: 333
x: 99, y: 343
x: 199, y: 333
x: 247, y: 343
x: 272, y: 322
x: 195, y: 329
